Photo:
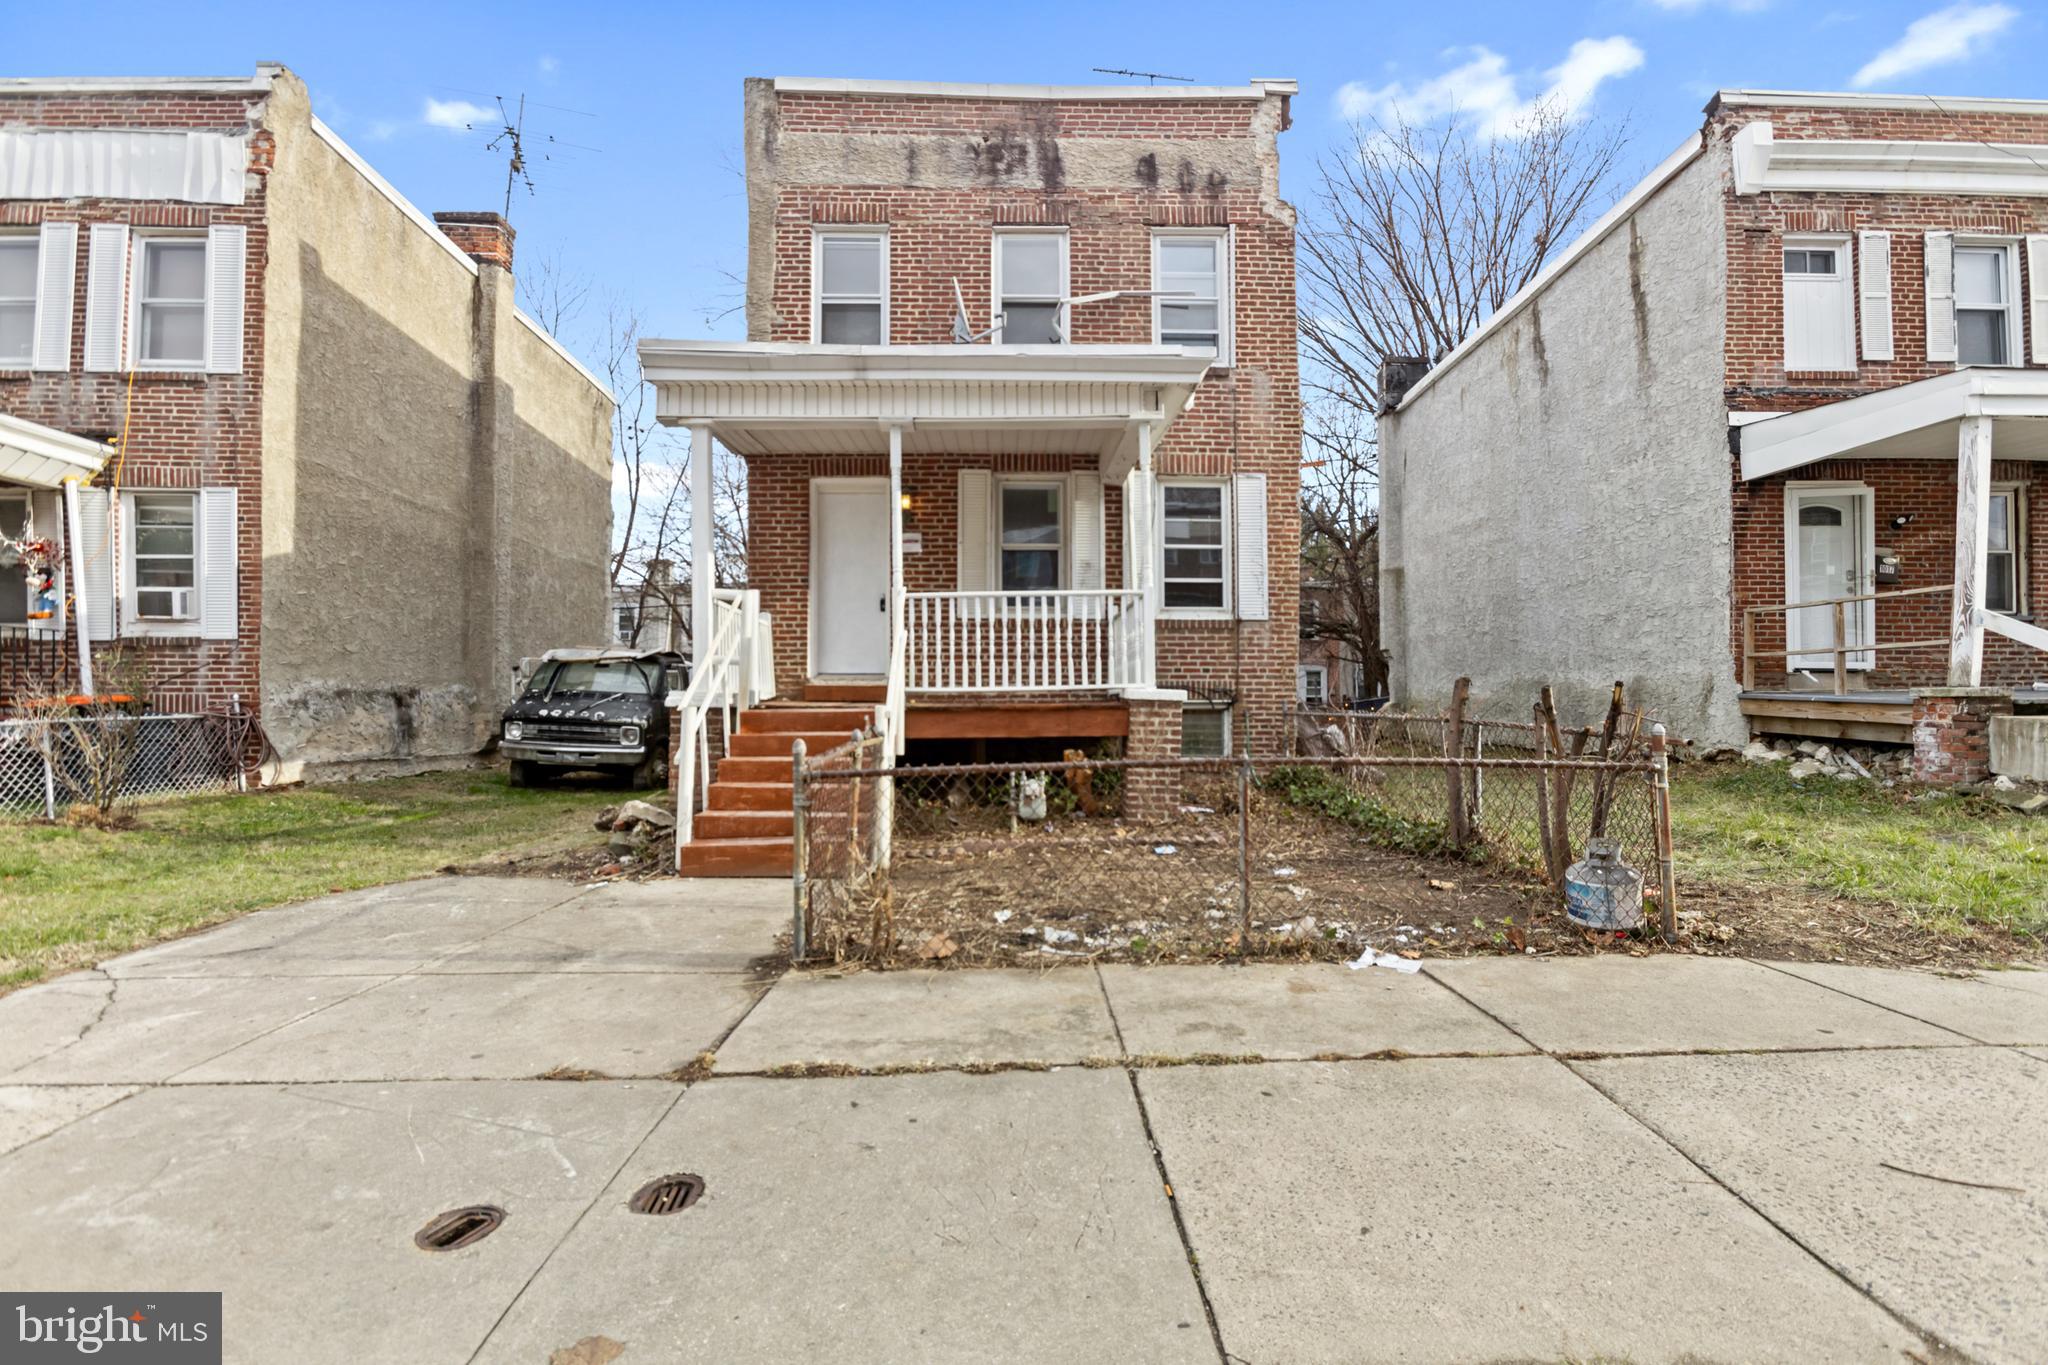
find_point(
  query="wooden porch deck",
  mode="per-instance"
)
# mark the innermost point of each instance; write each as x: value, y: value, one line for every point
x: 1878, y: 716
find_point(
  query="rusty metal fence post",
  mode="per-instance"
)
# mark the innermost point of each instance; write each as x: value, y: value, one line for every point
x: 1667, y: 880
x: 799, y: 799
x: 1244, y: 846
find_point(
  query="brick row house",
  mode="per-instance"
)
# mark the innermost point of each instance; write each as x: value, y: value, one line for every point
x: 1019, y: 408
x: 1768, y: 442
x: 280, y: 442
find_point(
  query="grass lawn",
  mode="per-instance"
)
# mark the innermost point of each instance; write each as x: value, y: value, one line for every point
x: 70, y: 896
x: 1948, y: 859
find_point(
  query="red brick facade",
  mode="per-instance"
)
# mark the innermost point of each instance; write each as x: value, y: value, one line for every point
x: 1756, y: 381
x: 185, y: 430
x: 1243, y: 419
x: 1952, y: 733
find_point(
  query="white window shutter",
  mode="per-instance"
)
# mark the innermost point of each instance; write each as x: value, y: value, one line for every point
x: 1250, y: 500
x: 106, y: 296
x: 1874, y: 285
x: 1140, y: 573
x: 96, y: 548
x: 2037, y: 295
x: 227, y: 251
x: 219, y: 598
x: 56, y: 270
x: 972, y: 560
x: 1085, y: 493
x: 1941, y: 296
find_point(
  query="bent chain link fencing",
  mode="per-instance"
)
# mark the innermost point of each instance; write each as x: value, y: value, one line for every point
x: 1202, y: 855
x: 49, y: 765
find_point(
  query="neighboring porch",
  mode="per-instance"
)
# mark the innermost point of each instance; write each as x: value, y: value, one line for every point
x: 45, y: 547
x: 957, y: 541
x: 1904, y: 523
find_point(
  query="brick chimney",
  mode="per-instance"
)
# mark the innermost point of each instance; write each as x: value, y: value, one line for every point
x: 487, y: 237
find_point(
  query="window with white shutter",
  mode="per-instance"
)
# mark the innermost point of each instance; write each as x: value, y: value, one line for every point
x: 971, y: 566
x: 1819, y: 308
x: 1250, y: 500
x: 226, y: 259
x: 1940, y: 277
x: 219, y: 591
x: 170, y: 303
x: 1085, y: 493
x: 106, y: 295
x: 19, y: 259
x: 1194, y: 547
x: 2037, y: 295
x: 96, y: 601
x: 1874, y: 288
x: 178, y: 562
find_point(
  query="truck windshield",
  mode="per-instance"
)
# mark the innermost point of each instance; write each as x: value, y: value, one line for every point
x: 596, y: 675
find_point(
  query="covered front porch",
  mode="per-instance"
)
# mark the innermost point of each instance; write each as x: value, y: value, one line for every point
x: 45, y: 547
x: 1888, y: 544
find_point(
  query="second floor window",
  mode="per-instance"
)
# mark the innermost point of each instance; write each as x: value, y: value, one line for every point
x: 1984, y: 305
x: 18, y: 257
x: 1191, y: 272
x: 1031, y: 285
x: 851, y: 303
x: 1820, y: 310
x: 171, y: 303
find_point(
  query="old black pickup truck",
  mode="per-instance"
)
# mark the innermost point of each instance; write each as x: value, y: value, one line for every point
x: 595, y: 710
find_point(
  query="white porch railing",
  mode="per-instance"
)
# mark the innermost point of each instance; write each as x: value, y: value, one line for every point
x: 1009, y: 642
x: 733, y: 670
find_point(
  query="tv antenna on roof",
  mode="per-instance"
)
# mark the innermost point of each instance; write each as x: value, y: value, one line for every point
x: 1151, y: 77
x: 511, y: 137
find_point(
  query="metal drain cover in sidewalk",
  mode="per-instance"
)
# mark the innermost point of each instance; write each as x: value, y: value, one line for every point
x: 459, y: 1227
x: 667, y: 1194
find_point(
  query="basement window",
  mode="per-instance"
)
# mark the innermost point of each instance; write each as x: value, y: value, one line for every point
x: 1204, y: 731
x: 850, y: 303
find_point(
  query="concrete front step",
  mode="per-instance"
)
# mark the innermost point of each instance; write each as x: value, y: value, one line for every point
x: 743, y: 824
x: 777, y: 743
x: 736, y: 858
x: 750, y: 795
x: 841, y: 720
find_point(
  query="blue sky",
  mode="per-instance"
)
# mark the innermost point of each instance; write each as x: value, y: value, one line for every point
x: 655, y: 218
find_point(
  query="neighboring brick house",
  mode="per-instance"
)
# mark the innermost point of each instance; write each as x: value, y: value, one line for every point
x: 1036, y: 346
x: 323, y: 469
x: 1801, y: 363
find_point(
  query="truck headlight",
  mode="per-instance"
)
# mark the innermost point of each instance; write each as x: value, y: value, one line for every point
x: 513, y: 729
x: 629, y: 734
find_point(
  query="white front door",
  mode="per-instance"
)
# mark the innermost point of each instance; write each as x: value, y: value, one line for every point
x: 849, y: 577
x: 1828, y: 554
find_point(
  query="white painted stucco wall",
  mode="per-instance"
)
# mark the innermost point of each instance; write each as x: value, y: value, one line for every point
x: 1556, y: 506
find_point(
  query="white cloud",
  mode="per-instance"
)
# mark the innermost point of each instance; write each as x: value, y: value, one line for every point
x: 1947, y: 35
x: 1482, y: 90
x: 548, y: 66
x: 457, y: 115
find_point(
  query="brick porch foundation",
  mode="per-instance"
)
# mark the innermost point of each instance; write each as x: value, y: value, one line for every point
x: 1952, y: 733
x: 1153, y: 793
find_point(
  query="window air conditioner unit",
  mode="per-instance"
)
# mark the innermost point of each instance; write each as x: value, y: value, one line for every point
x: 166, y: 604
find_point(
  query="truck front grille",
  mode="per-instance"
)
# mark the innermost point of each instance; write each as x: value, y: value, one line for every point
x: 567, y: 734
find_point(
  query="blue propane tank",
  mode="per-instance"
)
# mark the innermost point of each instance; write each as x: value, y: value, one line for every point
x: 1601, y: 891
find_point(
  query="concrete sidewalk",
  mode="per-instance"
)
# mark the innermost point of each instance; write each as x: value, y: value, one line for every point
x: 1658, y: 1159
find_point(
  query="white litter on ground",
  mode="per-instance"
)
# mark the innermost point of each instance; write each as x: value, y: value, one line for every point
x: 1283, y: 872
x: 1003, y: 916
x: 1164, y: 850
x: 1369, y: 958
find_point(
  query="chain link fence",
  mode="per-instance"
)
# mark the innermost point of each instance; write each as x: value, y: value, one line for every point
x: 48, y: 765
x: 1400, y: 847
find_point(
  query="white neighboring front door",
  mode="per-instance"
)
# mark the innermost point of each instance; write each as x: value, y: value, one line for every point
x: 1828, y: 553
x: 849, y: 577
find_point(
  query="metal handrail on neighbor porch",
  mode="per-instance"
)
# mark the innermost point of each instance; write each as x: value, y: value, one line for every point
x: 1841, y: 649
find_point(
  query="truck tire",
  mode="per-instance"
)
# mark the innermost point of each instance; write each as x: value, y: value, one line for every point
x: 526, y: 773
x: 644, y: 775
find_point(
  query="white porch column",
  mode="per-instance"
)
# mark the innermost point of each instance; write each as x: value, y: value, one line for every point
x: 703, y: 576
x: 81, y: 610
x: 1148, y: 566
x: 1973, y: 534
x: 896, y: 584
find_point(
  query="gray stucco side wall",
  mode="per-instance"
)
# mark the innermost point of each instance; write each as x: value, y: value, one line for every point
x: 436, y: 480
x: 1556, y: 507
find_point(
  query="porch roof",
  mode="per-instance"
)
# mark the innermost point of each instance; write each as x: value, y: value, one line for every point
x: 768, y: 398
x: 36, y: 456
x: 1917, y: 421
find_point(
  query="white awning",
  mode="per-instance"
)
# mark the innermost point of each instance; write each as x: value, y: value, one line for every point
x: 36, y: 456
x: 188, y: 165
x: 1917, y: 421
x: 771, y: 398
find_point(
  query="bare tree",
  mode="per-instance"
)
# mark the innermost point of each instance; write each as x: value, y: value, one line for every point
x: 1415, y: 235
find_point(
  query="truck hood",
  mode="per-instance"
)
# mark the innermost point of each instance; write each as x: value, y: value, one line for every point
x: 610, y: 708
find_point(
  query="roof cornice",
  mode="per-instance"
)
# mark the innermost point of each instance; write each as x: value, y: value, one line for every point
x: 1258, y: 89
x: 1763, y: 163
x: 266, y: 73
x: 1822, y: 99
